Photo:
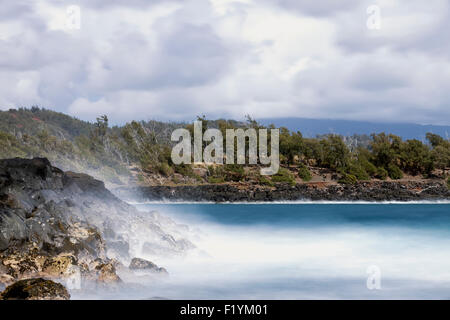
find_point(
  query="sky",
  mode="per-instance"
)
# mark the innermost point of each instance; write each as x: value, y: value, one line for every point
x: 372, y: 60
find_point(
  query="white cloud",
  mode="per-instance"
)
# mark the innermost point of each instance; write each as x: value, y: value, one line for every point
x: 226, y: 58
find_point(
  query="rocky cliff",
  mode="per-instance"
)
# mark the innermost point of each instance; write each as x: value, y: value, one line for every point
x: 69, y: 227
x: 361, y: 191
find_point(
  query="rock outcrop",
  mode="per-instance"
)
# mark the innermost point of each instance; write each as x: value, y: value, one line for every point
x: 361, y: 191
x: 35, y: 289
x: 68, y: 226
x: 142, y: 264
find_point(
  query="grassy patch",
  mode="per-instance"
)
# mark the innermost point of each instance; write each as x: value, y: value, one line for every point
x: 216, y: 179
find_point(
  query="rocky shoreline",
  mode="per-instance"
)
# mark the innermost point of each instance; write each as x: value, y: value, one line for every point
x: 68, y: 228
x: 361, y: 191
x: 64, y: 231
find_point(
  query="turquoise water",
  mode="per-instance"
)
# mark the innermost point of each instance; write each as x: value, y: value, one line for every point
x: 315, y: 215
x: 310, y: 251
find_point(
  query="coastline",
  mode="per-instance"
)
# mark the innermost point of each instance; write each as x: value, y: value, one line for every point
x: 367, y: 191
x: 296, y: 202
x: 64, y: 232
x: 89, y: 239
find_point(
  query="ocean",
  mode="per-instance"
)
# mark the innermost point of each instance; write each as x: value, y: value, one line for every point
x: 308, y: 250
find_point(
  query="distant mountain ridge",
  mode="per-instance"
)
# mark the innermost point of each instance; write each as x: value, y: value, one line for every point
x: 312, y: 127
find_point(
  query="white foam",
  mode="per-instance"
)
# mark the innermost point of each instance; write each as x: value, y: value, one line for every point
x: 301, y: 262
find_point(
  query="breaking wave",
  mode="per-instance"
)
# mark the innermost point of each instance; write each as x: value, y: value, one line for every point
x: 245, y: 259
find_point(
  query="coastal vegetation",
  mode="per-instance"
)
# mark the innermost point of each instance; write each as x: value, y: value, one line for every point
x: 140, y: 150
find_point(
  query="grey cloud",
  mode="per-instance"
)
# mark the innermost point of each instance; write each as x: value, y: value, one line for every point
x: 316, y: 8
x: 101, y: 4
x: 187, y: 66
x: 185, y: 56
x: 11, y: 10
x: 405, y: 27
x: 191, y: 55
x: 378, y: 76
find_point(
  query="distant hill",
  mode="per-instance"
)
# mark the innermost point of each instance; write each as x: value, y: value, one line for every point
x: 35, y: 120
x: 312, y: 127
x: 75, y: 145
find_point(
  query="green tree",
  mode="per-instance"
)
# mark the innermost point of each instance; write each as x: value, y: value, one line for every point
x: 102, y: 125
x: 313, y: 150
x: 335, y: 153
x: 384, y: 148
x: 434, y: 139
x: 415, y: 157
x: 440, y: 156
x: 291, y: 145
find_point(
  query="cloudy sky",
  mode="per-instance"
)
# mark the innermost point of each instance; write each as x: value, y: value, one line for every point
x: 136, y: 59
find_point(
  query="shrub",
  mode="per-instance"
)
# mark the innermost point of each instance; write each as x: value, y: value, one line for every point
x: 264, y: 181
x: 234, y: 172
x: 164, y: 169
x: 187, y: 171
x: 216, y: 180
x: 358, y: 171
x: 448, y: 182
x: 184, y: 169
x: 304, y: 173
x: 283, y: 176
x: 176, y: 180
x: 197, y: 177
x: 395, y: 172
x: 370, y: 168
x: 381, y: 173
x: 348, y: 179
x: 235, y: 168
